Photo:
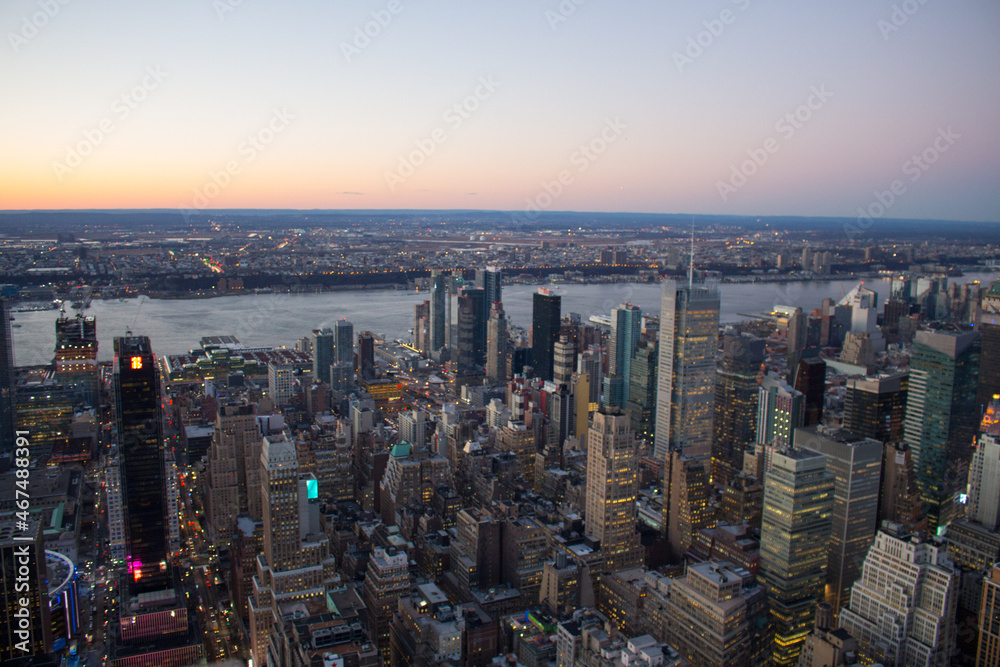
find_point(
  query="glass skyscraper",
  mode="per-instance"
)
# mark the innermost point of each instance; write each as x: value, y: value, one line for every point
x: 941, y: 417
x: 140, y: 444
x: 546, y: 315
x: 685, y: 396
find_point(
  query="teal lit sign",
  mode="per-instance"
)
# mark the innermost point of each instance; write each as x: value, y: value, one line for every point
x: 312, y: 489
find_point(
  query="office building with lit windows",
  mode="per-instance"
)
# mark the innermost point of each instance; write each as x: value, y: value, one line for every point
x: 612, y: 487
x: 795, y: 534
x: 685, y: 392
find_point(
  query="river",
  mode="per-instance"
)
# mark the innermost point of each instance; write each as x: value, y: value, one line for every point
x: 177, y: 325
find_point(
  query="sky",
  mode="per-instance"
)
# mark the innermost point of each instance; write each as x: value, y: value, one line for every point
x: 743, y: 107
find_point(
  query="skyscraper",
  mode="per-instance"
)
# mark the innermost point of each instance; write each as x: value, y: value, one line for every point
x: 685, y: 393
x: 685, y: 501
x: 736, y: 384
x: 323, y: 353
x: 439, y: 299
x: 855, y: 463
x: 875, y: 406
x: 563, y: 360
x: 984, y: 482
x: 489, y: 280
x: 295, y: 565
x: 387, y: 579
x: 941, y: 416
x: 343, y: 333
x: 497, y: 344
x: 25, y: 627
x: 626, y: 324
x: 612, y: 487
x: 7, y: 383
x: 545, y: 320
x: 795, y: 532
x: 76, y: 355
x: 236, y: 430
x: 989, y: 369
x: 472, y: 329
x: 641, y: 404
x: 810, y: 379
x: 779, y: 413
x: 140, y: 443
x: 988, y: 650
x: 366, y: 355
x: 902, y: 610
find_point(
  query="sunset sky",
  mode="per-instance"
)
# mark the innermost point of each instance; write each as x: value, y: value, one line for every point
x: 587, y: 105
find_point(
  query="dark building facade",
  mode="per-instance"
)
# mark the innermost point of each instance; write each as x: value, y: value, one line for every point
x: 810, y: 379
x: 7, y: 382
x: 140, y: 446
x: 875, y: 407
x: 736, y: 383
x: 546, y: 313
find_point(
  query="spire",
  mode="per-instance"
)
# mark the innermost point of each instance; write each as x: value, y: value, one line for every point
x: 691, y: 268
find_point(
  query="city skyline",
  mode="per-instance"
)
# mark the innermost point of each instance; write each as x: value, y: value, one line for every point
x: 599, y: 107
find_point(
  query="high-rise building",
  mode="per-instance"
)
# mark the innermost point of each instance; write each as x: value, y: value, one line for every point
x: 941, y: 417
x: 366, y: 355
x: 563, y: 360
x: 7, y: 381
x: 545, y: 321
x: 713, y: 612
x: 988, y: 649
x: 76, y: 355
x: 497, y: 346
x: 612, y: 488
x: 140, y: 444
x: 989, y: 366
x: 322, y: 353
x: 25, y: 627
x: 489, y: 280
x: 779, y: 413
x: 810, y: 380
x: 685, y: 501
x: 589, y: 362
x: 343, y: 345
x: 422, y: 327
x: 439, y: 299
x: 626, y: 324
x: 984, y: 483
x: 641, y: 403
x: 469, y: 303
x: 235, y: 432
x: 736, y: 385
x: 795, y: 532
x: 295, y: 565
x: 876, y: 406
x: 280, y: 382
x: 902, y: 610
x: 685, y: 392
x: 899, y: 495
x: 855, y: 463
x: 795, y: 339
x: 387, y: 579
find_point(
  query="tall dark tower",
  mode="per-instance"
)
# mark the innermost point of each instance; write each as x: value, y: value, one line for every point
x: 736, y: 382
x: 489, y: 280
x: 810, y: 379
x: 545, y: 320
x: 140, y: 446
x: 6, y: 381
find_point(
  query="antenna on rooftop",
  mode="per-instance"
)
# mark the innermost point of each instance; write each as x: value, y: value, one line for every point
x: 691, y: 268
